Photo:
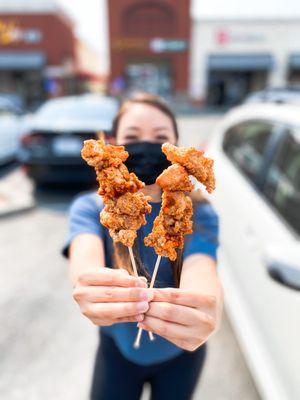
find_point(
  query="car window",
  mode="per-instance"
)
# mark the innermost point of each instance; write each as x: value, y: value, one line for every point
x: 282, y: 187
x: 245, y: 144
x: 79, y: 109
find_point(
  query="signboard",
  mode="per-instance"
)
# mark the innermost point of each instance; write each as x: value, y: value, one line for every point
x: 159, y: 45
x: 11, y: 33
x: 155, y: 45
x: 225, y: 36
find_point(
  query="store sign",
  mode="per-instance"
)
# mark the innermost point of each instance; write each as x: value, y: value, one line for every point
x: 155, y: 45
x: 224, y: 37
x: 167, y: 45
x: 11, y: 33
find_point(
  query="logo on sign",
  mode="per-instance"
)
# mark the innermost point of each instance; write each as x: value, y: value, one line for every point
x: 11, y: 33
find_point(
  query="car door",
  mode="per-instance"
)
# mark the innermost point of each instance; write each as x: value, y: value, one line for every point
x: 265, y: 314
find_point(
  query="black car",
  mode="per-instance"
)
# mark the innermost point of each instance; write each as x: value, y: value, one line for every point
x: 50, y: 152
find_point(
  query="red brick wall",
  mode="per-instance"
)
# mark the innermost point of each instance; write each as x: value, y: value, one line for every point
x: 58, y: 40
x: 178, y: 27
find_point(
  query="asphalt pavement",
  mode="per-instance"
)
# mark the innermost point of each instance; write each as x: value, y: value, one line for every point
x: 46, y: 346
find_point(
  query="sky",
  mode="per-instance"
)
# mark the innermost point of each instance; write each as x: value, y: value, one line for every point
x: 90, y: 17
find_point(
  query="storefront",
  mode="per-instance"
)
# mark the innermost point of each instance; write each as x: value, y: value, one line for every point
x: 294, y: 69
x: 40, y: 54
x: 149, y: 44
x: 232, y: 58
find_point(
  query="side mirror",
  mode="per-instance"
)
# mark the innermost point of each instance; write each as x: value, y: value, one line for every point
x: 283, y: 264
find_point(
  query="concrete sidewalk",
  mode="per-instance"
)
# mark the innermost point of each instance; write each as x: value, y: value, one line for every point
x: 16, y: 193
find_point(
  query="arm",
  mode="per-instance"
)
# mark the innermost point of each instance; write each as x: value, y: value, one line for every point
x: 104, y: 295
x: 189, y: 315
x: 86, y: 253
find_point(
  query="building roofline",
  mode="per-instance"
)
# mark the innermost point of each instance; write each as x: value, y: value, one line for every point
x: 15, y: 7
x: 245, y: 19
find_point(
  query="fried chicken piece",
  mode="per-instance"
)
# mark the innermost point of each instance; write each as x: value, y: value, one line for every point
x: 115, y: 181
x: 121, y: 221
x: 173, y: 222
x: 98, y: 154
x: 175, y: 178
x: 194, y: 162
x: 125, y: 236
x: 129, y: 204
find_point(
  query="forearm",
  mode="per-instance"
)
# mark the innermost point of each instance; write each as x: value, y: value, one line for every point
x: 86, y: 254
x: 199, y: 273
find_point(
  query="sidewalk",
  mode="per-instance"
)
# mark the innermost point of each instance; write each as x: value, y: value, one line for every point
x: 16, y: 193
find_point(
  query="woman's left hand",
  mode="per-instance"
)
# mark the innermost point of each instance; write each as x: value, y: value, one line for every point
x: 184, y: 317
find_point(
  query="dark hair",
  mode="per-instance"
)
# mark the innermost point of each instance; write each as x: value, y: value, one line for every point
x: 121, y: 257
x: 149, y: 100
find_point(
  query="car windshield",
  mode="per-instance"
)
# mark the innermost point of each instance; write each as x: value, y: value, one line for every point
x: 79, y: 109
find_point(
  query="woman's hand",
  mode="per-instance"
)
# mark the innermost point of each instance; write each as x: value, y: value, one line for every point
x: 107, y: 296
x: 183, y: 317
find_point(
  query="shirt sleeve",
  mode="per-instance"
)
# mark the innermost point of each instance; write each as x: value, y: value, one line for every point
x: 83, y: 218
x: 204, y: 239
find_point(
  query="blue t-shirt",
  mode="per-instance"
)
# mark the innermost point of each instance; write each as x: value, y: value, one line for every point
x: 84, y: 218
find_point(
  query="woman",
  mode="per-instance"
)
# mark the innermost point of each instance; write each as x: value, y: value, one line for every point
x: 182, y: 318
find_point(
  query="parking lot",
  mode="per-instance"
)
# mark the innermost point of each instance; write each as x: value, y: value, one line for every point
x: 46, y: 346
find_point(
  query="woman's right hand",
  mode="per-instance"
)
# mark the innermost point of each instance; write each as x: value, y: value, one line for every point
x: 108, y: 296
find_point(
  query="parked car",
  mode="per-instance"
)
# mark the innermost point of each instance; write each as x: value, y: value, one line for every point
x: 257, y: 154
x: 275, y: 95
x: 50, y: 152
x: 10, y: 130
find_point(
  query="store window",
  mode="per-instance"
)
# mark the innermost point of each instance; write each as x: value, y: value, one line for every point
x: 282, y: 186
x: 245, y: 144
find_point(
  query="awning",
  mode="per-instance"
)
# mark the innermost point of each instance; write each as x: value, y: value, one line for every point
x: 294, y: 61
x: 240, y: 62
x: 20, y: 60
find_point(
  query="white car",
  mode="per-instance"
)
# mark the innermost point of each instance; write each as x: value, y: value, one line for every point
x: 10, y: 130
x: 256, y: 148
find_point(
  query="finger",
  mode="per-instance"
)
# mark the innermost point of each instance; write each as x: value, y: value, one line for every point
x: 164, y: 328
x: 135, y: 318
x: 109, y: 294
x: 184, y: 297
x: 174, y: 313
x: 110, y: 277
x: 112, y: 311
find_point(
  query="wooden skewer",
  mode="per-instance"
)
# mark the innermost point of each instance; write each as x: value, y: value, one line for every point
x: 133, y: 262
x: 139, y: 335
x: 135, y: 271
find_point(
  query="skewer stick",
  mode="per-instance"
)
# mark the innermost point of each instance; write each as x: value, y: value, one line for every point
x: 133, y: 262
x: 134, y: 267
x: 139, y: 335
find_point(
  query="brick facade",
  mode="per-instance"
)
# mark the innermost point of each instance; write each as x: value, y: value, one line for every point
x: 133, y: 26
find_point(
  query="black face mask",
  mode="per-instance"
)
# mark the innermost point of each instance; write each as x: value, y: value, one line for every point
x: 146, y: 160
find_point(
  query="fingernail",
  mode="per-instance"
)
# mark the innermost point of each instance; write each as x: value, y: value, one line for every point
x: 139, y: 317
x: 144, y: 278
x: 143, y: 306
x: 146, y: 295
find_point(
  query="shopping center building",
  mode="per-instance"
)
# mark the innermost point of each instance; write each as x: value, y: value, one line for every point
x: 40, y: 56
x: 212, y: 52
x: 232, y: 55
x: 149, y: 45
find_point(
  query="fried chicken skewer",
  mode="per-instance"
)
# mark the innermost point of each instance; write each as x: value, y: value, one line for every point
x: 175, y: 217
x: 125, y: 209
